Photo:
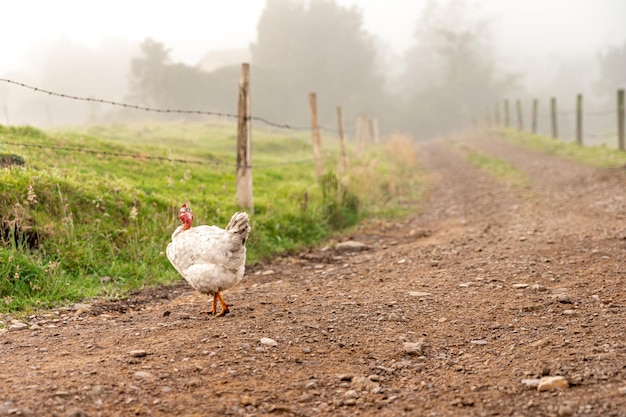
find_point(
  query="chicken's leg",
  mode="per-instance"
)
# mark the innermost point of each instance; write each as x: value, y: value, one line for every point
x: 224, y: 305
x: 213, y: 309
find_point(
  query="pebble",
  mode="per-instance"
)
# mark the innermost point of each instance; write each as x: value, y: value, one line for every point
x: 413, y: 348
x: 351, y: 245
x: 479, y: 342
x: 622, y: 390
x: 569, y: 312
x: 18, y: 326
x: 269, y: 342
x: 564, y: 298
x: 267, y: 272
x: 363, y: 383
x: 531, y: 383
x: 551, y: 383
x: 518, y: 286
x: 143, y: 375
x: 418, y: 294
x: 351, y: 394
x: 139, y: 353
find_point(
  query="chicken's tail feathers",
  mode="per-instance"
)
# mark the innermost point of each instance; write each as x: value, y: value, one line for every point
x: 239, y: 224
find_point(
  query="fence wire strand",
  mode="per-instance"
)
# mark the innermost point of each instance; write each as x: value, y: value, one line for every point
x: 159, y: 110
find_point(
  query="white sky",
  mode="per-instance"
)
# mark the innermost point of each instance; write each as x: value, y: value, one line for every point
x: 189, y: 28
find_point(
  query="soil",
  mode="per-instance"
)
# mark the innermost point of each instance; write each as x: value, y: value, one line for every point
x: 458, y: 311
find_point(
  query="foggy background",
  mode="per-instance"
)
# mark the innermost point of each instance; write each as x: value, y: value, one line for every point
x: 424, y: 67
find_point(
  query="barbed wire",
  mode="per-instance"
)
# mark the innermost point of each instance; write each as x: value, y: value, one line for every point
x: 152, y: 157
x: 601, y: 112
x: 160, y: 110
x: 605, y: 135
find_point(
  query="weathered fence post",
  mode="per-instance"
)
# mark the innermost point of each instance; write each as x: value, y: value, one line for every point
x: 535, y: 108
x: 497, y: 115
x: 520, y: 120
x: 507, y: 118
x: 375, y: 130
x: 244, y: 148
x: 343, y: 165
x: 555, y: 130
x: 579, y: 119
x: 620, y: 119
x: 315, y: 136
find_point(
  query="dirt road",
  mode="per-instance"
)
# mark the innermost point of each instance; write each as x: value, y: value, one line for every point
x: 459, y: 311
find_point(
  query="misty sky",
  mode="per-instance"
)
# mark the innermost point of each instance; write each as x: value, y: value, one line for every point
x: 190, y: 28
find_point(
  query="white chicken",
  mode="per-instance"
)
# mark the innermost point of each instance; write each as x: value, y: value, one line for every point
x: 210, y: 259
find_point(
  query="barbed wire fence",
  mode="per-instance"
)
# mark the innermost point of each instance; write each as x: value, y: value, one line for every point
x: 574, y: 120
x: 363, y: 135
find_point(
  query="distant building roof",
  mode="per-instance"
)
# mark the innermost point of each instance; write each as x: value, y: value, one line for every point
x: 213, y: 60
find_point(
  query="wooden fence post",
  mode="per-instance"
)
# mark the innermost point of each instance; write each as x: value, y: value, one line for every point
x: 579, y: 119
x: 497, y: 115
x: 520, y: 120
x: 244, y: 148
x: 507, y: 118
x: 315, y: 136
x: 343, y: 165
x: 555, y: 129
x: 620, y: 119
x: 375, y: 130
x: 535, y: 109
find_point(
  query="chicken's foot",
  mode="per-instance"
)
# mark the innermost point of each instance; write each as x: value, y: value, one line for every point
x: 224, y: 305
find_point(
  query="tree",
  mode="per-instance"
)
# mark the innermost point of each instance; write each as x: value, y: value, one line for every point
x: 147, y: 73
x: 317, y: 46
x: 612, y: 65
x: 452, y: 73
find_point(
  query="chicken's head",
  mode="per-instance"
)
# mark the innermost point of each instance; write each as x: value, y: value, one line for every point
x: 185, y: 216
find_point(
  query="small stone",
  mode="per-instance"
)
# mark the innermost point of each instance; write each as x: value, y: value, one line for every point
x: 531, y: 383
x: 564, y: 298
x: 363, y: 383
x: 565, y: 410
x: 143, y: 375
x: 519, y: 286
x: 413, y: 348
x: 269, y: 342
x: 351, y: 245
x: 247, y: 400
x: 15, y: 327
x: 82, y: 309
x: 310, y: 385
x: 538, y: 287
x: 351, y: 394
x: 551, y: 383
x: 139, y: 353
x: 467, y: 284
x: 418, y: 294
x: 569, y: 312
x: 622, y: 391
x: 268, y: 272
x: 479, y: 342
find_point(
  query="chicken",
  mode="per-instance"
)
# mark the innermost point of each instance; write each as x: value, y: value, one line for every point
x: 210, y: 259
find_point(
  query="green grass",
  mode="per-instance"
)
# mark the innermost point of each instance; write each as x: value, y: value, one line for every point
x: 76, y: 225
x: 600, y: 156
x: 497, y: 168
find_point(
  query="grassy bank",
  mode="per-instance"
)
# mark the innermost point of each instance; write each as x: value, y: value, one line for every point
x: 91, y: 210
x: 600, y: 156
